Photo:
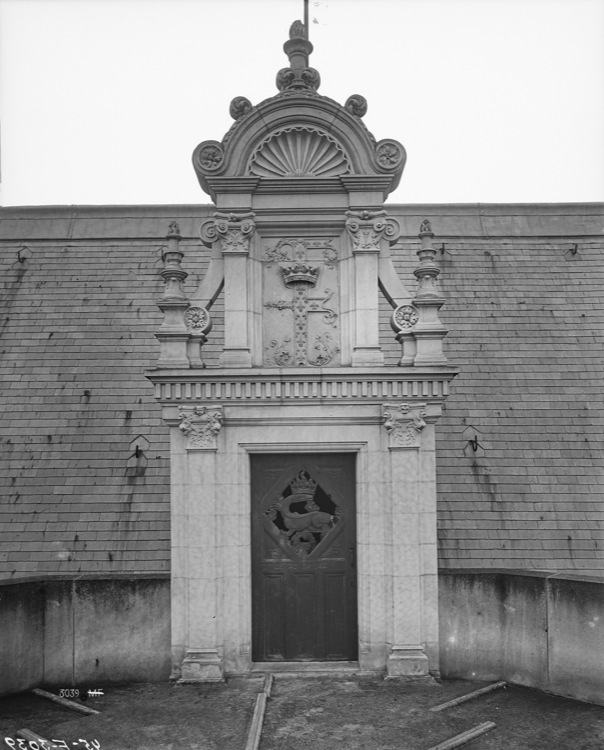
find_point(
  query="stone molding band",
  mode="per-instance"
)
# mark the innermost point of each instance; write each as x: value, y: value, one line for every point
x: 290, y: 389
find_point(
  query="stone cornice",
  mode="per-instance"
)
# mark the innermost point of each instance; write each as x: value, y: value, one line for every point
x: 295, y: 386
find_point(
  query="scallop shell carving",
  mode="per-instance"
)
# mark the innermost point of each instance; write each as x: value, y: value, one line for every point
x: 299, y: 152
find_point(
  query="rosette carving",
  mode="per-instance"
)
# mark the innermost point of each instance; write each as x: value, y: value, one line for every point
x: 209, y: 156
x: 404, y: 318
x: 390, y: 155
x: 197, y: 320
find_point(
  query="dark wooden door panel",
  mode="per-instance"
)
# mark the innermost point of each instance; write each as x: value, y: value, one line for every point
x: 303, y: 550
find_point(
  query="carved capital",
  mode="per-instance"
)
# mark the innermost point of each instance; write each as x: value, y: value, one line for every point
x: 234, y: 231
x: 367, y: 228
x: 404, y: 424
x: 201, y: 426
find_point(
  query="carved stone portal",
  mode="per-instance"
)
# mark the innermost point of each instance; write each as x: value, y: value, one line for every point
x: 301, y: 304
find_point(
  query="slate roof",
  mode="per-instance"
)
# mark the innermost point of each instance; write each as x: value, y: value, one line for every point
x: 77, y: 322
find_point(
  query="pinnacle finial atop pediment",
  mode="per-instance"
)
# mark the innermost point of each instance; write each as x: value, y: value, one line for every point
x: 297, y: 31
x: 298, y: 49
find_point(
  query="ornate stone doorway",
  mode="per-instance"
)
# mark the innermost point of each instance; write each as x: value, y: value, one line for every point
x: 304, y: 593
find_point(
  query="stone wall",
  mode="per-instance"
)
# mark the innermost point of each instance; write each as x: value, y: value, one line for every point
x: 541, y: 630
x: 84, y: 632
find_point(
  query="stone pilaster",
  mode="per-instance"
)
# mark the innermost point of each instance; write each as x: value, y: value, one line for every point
x: 367, y: 230
x: 203, y: 658
x: 404, y: 424
x: 233, y: 232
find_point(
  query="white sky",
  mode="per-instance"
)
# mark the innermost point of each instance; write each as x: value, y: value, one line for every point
x: 103, y: 101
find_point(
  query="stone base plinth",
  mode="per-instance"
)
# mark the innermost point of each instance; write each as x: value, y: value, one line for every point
x: 202, y: 665
x: 407, y: 663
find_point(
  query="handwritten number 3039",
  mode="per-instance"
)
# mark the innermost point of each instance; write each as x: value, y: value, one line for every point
x: 19, y: 744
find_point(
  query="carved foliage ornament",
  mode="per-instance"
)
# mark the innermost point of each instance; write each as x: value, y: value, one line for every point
x: 404, y: 425
x: 233, y: 230
x: 201, y: 426
x: 368, y: 227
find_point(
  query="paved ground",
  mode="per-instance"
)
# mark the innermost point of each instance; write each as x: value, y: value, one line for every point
x: 310, y: 714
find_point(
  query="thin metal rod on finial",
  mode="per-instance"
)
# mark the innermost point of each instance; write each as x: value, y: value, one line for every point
x: 306, y: 27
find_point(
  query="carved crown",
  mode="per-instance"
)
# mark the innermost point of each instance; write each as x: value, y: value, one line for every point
x: 302, y: 484
x: 300, y: 273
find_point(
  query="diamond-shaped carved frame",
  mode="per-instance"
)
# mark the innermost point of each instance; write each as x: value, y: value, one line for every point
x: 303, y: 519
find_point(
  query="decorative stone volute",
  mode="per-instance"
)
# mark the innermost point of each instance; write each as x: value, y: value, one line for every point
x: 232, y: 230
x: 367, y: 228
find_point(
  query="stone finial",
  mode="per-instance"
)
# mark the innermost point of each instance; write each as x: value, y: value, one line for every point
x: 173, y: 334
x: 425, y: 228
x: 428, y: 332
x: 173, y: 230
x: 173, y: 273
x: 297, y: 30
x: 428, y: 271
x: 298, y: 49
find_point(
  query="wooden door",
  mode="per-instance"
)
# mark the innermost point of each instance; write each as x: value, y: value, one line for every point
x: 303, y: 557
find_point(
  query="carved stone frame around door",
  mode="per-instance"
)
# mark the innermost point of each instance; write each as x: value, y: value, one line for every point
x: 393, y: 440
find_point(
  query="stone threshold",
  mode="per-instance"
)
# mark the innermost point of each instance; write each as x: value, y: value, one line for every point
x: 313, y: 669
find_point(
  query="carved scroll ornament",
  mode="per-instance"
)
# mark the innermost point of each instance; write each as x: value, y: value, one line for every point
x: 367, y: 228
x: 234, y: 231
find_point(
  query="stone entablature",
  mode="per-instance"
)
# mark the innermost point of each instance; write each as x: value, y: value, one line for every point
x: 293, y: 385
